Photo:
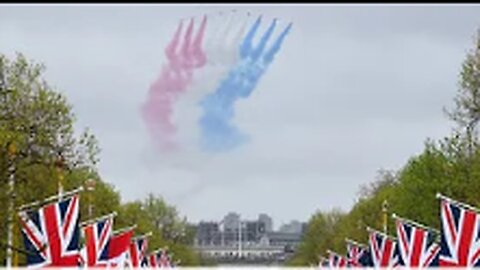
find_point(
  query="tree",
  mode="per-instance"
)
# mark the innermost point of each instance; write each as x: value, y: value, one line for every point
x: 318, y: 237
x: 450, y: 166
x: 466, y: 113
x: 38, y: 122
x: 154, y: 215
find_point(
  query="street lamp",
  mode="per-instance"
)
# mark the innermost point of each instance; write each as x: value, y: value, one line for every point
x: 59, y: 165
x: 12, y: 150
x: 385, y: 215
x: 90, y: 185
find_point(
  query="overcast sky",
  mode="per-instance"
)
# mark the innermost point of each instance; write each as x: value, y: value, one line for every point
x: 355, y: 88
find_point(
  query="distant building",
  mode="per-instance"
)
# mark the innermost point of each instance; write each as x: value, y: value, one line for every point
x: 221, y: 240
x: 285, y: 239
x: 230, y: 229
x: 254, y: 230
x: 293, y: 227
x: 230, y: 221
x: 207, y: 234
x: 267, y: 220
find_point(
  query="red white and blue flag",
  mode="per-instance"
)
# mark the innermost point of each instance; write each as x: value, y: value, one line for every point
x: 138, y: 252
x: 323, y: 262
x: 336, y: 260
x: 358, y: 255
x: 383, y: 249
x: 460, y: 235
x: 51, y: 234
x: 153, y: 259
x: 97, y: 241
x: 164, y: 260
x: 417, y: 246
x: 119, y: 246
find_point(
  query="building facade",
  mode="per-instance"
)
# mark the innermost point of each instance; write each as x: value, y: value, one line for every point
x: 235, y: 238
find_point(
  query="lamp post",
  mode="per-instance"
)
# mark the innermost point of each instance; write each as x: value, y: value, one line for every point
x: 90, y: 184
x: 59, y: 164
x: 385, y: 215
x: 239, y: 238
x: 11, y: 151
x: 11, y: 148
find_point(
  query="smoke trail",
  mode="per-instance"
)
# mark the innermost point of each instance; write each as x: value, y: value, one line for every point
x: 174, y: 78
x: 255, y: 54
x: 218, y: 46
x: 197, y: 52
x: 170, y: 51
x: 246, y: 46
x: 218, y: 133
x: 221, y: 46
x: 233, y: 56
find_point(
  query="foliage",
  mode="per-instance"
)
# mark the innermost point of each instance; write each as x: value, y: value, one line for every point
x: 39, y: 122
x: 450, y: 166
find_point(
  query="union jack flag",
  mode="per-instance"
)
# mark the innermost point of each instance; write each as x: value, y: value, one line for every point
x: 119, y: 246
x: 460, y: 239
x: 153, y: 260
x: 51, y: 234
x: 164, y: 259
x: 97, y: 242
x: 323, y: 262
x: 383, y: 249
x: 358, y: 255
x: 417, y: 246
x: 138, y: 252
x: 336, y: 260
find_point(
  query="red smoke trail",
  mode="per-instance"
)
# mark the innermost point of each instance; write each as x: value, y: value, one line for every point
x: 173, y: 80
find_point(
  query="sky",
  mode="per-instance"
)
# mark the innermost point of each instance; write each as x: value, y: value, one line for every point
x: 354, y: 89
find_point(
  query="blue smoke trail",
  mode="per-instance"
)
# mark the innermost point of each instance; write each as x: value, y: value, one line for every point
x: 218, y: 133
x: 246, y: 46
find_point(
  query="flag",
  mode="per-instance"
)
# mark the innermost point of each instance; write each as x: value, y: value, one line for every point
x: 336, y: 260
x: 460, y: 243
x: 323, y: 262
x: 164, y: 259
x: 51, y: 234
x: 416, y: 245
x: 119, y: 245
x: 358, y: 255
x: 152, y: 258
x: 383, y: 249
x: 97, y: 237
x: 138, y: 252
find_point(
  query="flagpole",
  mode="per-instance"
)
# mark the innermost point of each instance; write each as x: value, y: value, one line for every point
x: 334, y: 253
x: 379, y: 232
x: 440, y: 196
x: 124, y: 229
x: 50, y: 199
x: 395, y: 216
x: 157, y: 250
x: 355, y: 243
x: 148, y: 234
x: 94, y: 220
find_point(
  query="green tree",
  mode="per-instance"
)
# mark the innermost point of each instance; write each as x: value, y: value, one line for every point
x: 318, y: 238
x: 38, y: 122
x: 154, y: 215
x: 450, y: 166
